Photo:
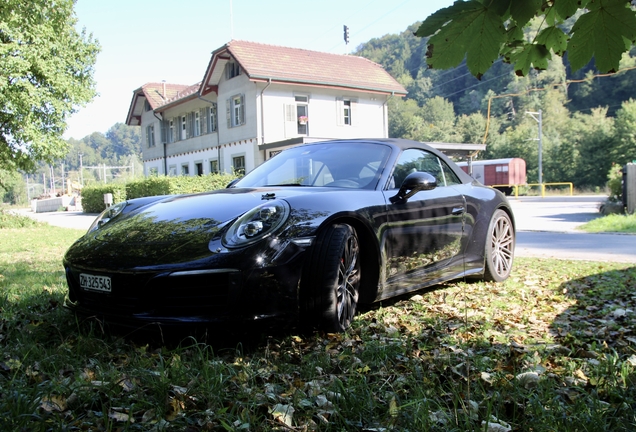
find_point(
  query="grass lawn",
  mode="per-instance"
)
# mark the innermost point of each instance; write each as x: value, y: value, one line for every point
x: 612, y: 223
x: 551, y: 349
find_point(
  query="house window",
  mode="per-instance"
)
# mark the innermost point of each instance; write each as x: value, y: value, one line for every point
x: 185, y: 169
x: 150, y: 135
x: 232, y: 70
x: 211, y: 118
x: 172, y: 170
x: 235, y: 111
x: 183, y: 128
x: 198, y: 167
x: 346, y: 112
x: 197, y: 123
x: 171, y: 131
x: 238, y: 163
x: 302, y: 114
x: 147, y: 105
x: 214, y: 166
x: 153, y: 172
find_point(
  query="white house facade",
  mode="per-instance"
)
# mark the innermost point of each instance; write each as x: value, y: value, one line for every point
x: 255, y: 100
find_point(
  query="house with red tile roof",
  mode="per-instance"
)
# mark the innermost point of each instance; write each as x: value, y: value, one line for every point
x: 255, y: 100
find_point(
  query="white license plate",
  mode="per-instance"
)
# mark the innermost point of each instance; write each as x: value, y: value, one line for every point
x: 95, y: 283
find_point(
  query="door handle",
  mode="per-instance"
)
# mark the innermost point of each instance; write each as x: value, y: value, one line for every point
x: 457, y: 211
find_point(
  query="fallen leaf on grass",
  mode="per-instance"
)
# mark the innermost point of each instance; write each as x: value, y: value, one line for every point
x: 53, y: 404
x: 528, y: 379
x: 119, y: 416
x: 283, y: 413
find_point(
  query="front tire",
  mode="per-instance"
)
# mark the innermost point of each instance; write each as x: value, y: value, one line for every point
x: 500, y: 247
x: 330, y: 282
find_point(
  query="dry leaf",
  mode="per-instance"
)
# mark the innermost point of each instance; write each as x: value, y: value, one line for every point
x: 283, y: 413
x: 53, y: 403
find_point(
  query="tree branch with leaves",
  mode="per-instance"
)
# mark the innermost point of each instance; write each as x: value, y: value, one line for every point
x: 481, y: 31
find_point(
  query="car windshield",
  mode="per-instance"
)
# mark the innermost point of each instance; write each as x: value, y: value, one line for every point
x: 350, y: 165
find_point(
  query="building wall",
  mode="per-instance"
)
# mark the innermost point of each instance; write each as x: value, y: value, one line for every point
x: 270, y: 119
x: 325, y: 112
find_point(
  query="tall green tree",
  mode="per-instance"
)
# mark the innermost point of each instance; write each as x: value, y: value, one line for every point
x: 46, y: 73
x: 624, y: 149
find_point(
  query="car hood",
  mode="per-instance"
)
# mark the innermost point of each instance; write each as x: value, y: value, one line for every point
x: 171, y: 231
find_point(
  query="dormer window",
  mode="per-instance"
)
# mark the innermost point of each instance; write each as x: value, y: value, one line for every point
x: 232, y: 69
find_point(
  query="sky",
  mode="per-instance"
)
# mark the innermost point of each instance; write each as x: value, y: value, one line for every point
x: 151, y: 41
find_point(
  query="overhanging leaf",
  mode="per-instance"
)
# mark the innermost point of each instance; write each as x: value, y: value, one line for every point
x: 554, y: 39
x: 437, y: 20
x: 602, y: 33
x: 531, y: 55
x: 476, y: 33
x: 566, y: 8
x: 523, y: 11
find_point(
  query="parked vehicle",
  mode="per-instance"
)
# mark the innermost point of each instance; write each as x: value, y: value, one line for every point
x: 502, y: 174
x: 307, y: 235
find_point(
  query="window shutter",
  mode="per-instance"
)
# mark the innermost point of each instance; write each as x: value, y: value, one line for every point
x: 242, y: 113
x: 339, y: 112
x: 177, y: 129
x: 353, y: 118
x: 289, y: 114
x: 208, y: 129
x: 228, y: 106
x: 213, y: 118
x: 164, y: 131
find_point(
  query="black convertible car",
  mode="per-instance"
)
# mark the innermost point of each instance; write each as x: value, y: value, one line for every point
x: 306, y: 236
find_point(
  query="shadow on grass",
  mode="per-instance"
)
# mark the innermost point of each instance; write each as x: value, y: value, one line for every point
x: 604, y: 314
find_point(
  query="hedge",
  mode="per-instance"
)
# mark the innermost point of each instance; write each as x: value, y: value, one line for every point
x: 93, y: 196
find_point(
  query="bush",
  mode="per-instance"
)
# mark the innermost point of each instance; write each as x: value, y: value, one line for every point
x: 615, y: 182
x: 93, y: 196
x: 149, y: 186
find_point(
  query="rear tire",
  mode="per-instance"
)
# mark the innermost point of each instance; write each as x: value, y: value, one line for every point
x: 500, y: 247
x: 330, y: 282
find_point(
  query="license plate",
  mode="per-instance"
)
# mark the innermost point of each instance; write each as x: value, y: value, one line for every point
x: 95, y: 283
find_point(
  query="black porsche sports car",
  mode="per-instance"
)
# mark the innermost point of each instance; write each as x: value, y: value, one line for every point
x: 306, y: 236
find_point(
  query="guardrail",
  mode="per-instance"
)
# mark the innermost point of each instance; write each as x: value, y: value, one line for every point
x: 540, y: 185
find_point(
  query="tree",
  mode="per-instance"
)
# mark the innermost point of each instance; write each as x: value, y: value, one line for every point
x: 481, y: 31
x: 46, y: 73
x: 624, y: 149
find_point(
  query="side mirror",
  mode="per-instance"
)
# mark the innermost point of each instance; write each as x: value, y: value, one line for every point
x: 412, y: 184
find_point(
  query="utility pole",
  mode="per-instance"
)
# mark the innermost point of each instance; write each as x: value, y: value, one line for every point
x: 539, y: 120
x: 81, y: 171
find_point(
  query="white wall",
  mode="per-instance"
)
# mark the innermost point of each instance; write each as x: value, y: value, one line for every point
x: 369, y: 118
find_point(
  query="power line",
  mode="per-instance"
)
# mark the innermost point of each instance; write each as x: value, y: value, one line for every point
x: 545, y: 88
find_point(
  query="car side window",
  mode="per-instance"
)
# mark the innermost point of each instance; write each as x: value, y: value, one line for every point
x: 412, y: 160
x: 449, y: 175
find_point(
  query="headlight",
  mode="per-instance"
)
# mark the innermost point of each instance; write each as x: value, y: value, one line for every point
x: 256, y: 224
x: 108, y: 214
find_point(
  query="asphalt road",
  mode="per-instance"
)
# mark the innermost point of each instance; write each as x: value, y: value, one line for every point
x: 546, y: 227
